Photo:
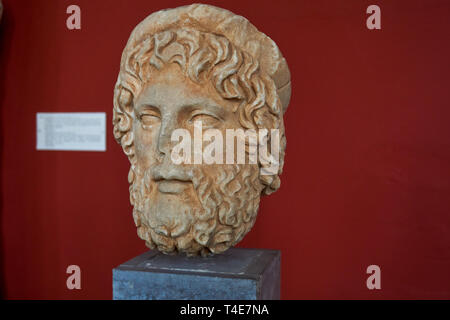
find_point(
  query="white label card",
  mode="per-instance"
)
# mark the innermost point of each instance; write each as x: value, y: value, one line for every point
x: 71, y: 131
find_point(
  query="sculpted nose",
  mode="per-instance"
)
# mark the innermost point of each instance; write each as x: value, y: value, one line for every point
x: 168, y: 124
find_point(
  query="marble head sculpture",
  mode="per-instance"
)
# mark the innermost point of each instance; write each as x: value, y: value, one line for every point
x: 181, y: 67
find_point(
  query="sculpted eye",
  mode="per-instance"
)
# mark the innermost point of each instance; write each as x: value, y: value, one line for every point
x: 149, y: 119
x: 207, y: 120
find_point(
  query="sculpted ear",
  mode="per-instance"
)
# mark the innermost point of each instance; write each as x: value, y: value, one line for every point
x: 265, y: 119
x: 122, y: 112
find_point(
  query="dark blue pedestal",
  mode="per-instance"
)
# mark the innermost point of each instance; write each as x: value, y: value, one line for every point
x: 234, y: 275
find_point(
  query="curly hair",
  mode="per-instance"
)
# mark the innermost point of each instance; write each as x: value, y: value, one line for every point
x: 202, y: 56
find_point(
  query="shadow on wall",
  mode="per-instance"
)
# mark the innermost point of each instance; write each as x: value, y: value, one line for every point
x: 29, y: 65
x: 5, y: 39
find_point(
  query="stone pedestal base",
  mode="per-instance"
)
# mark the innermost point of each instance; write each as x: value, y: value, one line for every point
x: 237, y: 274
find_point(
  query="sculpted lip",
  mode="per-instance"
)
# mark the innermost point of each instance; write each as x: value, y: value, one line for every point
x: 172, y: 185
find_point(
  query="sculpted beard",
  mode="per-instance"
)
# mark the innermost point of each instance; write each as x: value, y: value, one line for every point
x: 211, y: 217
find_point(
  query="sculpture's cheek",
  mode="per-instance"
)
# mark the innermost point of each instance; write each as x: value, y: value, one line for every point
x: 145, y: 144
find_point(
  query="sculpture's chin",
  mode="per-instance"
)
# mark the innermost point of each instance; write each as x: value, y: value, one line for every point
x: 211, y: 215
x: 170, y: 214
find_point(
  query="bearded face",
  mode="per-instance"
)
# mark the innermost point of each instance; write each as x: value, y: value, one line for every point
x: 191, y: 208
x: 202, y: 65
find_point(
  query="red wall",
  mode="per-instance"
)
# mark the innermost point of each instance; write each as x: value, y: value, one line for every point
x: 367, y: 175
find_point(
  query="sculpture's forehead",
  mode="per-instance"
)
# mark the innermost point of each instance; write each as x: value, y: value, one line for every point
x: 169, y: 87
x: 218, y: 21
